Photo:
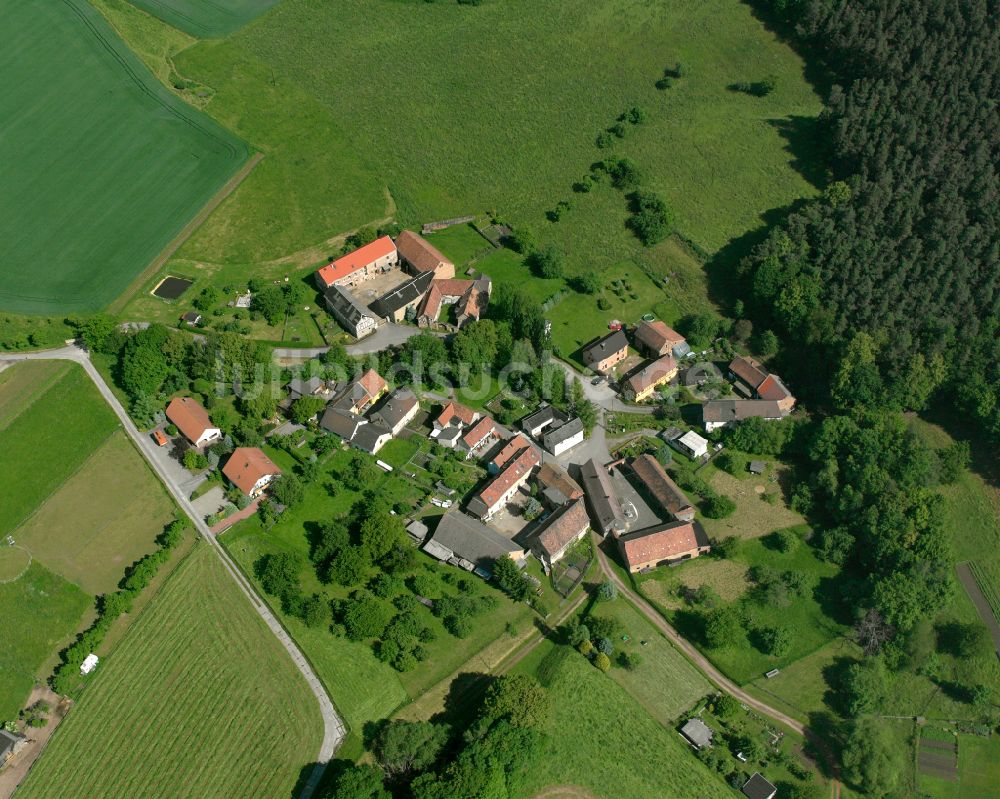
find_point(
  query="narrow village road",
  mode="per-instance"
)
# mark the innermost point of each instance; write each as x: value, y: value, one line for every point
x: 713, y: 674
x: 333, y: 727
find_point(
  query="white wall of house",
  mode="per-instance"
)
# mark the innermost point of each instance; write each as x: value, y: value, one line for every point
x: 567, y: 444
x: 208, y: 436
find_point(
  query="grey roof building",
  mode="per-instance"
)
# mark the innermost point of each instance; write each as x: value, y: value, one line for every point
x: 371, y: 437
x: 342, y: 423
x: 561, y: 438
x: 390, y: 304
x: 397, y: 410
x: 605, y: 509
x: 719, y: 413
x: 544, y: 417
x: 459, y: 537
x: 759, y: 788
x: 297, y: 387
x: 10, y: 744
x: 698, y: 733
x: 358, y: 320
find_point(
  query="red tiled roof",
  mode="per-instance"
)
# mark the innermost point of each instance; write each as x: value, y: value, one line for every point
x: 372, y: 382
x: 552, y: 476
x: 654, y: 373
x: 511, y: 448
x: 189, y: 416
x: 419, y: 253
x: 563, y: 526
x: 246, y: 466
x: 657, y: 335
x: 454, y: 410
x: 359, y: 259
x: 512, y: 472
x: 662, y: 542
x: 747, y: 370
x: 484, y: 428
x: 773, y: 389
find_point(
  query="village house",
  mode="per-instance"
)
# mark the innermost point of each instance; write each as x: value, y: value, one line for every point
x: 722, y: 413
x: 448, y: 427
x: 362, y: 393
x: 354, y: 317
x: 342, y: 423
x: 371, y: 437
x: 658, y: 485
x: 397, y: 411
x: 470, y: 298
x: 602, y: 355
x: 698, y: 733
x: 361, y: 264
x: 559, y: 532
x: 691, y: 444
x: 397, y: 304
x: 514, y: 445
x: 554, y: 429
x: 191, y: 318
x: 313, y: 387
x: 423, y: 257
x: 757, y: 787
x: 469, y: 544
x: 602, y: 499
x: 250, y: 470
x: 640, y: 386
x: 752, y: 381
x: 192, y: 420
x: 10, y: 744
x: 481, y: 436
x: 662, y: 544
x: 513, y: 474
x: 556, y: 486
x: 657, y: 339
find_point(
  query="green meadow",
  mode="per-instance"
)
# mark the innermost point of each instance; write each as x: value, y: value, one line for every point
x: 206, y: 19
x: 101, y: 165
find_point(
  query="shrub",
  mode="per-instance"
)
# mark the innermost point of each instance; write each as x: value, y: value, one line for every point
x: 630, y: 661
x: 718, y: 507
x: 651, y: 220
x: 603, y: 662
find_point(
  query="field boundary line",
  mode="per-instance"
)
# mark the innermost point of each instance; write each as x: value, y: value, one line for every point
x: 186, y: 232
x: 35, y: 397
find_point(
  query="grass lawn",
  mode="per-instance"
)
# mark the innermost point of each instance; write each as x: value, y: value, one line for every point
x: 754, y: 516
x: 206, y: 20
x: 665, y: 683
x: 103, y: 518
x: 140, y: 166
x: 460, y: 244
x: 38, y: 614
x: 806, y: 618
x: 507, y: 267
x: 363, y: 687
x: 20, y: 387
x: 589, y: 709
x: 44, y: 444
x: 201, y: 644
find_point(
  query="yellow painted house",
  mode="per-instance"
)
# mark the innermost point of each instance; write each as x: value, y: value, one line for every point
x: 640, y: 386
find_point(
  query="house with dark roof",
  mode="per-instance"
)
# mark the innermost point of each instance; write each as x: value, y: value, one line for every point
x: 355, y: 318
x: 556, y: 486
x: 698, y: 733
x: 361, y: 264
x: 422, y: 257
x: 564, y: 437
x: 465, y: 542
x: 602, y: 499
x: 757, y: 787
x: 313, y: 387
x: 192, y: 420
x: 662, y: 545
x: 721, y: 413
x: 361, y: 393
x: 559, y: 532
x: 606, y: 352
x: 371, y: 437
x: 191, y: 318
x: 10, y: 744
x: 250, y: 470
x: 657, y: 339
x: 546, y: 416
x: 661, y: 488
x: 752, y: 381
x: 494, y: 496
x: 342, y: 423
x: 640, y: 386
x: 394, y: 305
x: 397, y: 411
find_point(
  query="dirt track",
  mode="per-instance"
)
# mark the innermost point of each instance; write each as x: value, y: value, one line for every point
x: 982, y: 606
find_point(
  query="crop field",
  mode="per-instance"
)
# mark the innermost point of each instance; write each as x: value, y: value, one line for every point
x: 978, y: 771
x: 206, y: 20
x: 510, y: 123
x: 102, y: 166
x: 658, y: 762
x: 78, y: 501
x: 240, y: 721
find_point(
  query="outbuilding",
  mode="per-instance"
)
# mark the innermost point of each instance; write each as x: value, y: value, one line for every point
x: 757, y: 787
x: 698, y: 733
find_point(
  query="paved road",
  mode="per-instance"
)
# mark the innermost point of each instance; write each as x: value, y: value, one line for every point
x: 333, y: 727
x: 706, y: 667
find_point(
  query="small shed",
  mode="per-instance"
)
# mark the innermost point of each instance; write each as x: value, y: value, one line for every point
x: 417, y: 530
x: 191, y: 318
x: 89, y: 663
x: 698, y: 733
x: 757, y: 467
x: 693, y: 444
x: 759, y: 788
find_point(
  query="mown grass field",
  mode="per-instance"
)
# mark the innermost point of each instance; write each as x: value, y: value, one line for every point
x: 240, y: 720
x: 509, y: 125
x: 102, y: 165
x: 38, y: 614
x: 363, y: 688
x: 589, y: 710
x: 78, y: 499
x: 206, y: 20
x: 978, y: 771
x: 665, y: 683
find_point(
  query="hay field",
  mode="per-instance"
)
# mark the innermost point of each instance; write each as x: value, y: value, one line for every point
x: 206, y: 19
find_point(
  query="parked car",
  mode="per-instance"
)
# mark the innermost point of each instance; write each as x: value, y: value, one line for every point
x: 598, y: 380
x: 160, y: 438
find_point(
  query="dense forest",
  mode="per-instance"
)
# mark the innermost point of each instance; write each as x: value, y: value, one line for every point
x: 894, y: 274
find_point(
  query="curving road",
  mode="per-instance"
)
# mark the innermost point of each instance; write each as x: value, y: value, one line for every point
x: 333, y: 726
